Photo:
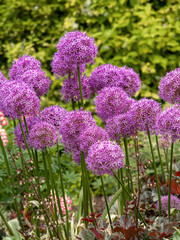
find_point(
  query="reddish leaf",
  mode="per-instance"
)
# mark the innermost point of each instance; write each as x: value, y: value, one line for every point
x: 97, y: 234
x: 127, y: 232
x: 177, y: 174
x: 153, y: 233
x: 175, y: 186
x: 87, y: 219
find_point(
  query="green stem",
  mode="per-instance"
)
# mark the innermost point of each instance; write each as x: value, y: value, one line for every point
x: 73, y: 104
x: 170, y: 177
x: 155, y: 171
x: 7, y: 224
x: 46, y: 173
x: 85, y: 193
x: 106, y: 203
x: 159, y: 154
x: 80, y: 86
x: 166, y: 157
x: 27, y: 146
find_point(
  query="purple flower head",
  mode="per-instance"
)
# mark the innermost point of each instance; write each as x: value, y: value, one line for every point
x: 43, y: 135
x: 71, y: 128
x: 144, y: 114
x: 2, y: 79
x: 168, y: 123
x: 103, y: 157
x: 91, y: 135
x: 175, y: 203
x: 36, y: 80
x: 169, y: 89
x: 112, y: 101
x: 121, y: 126
x: 19, y: 139
x: 74, y: 49
x: 76, y: 155
x: 70, y: 88
x: 23, y: 64
x: 18, y: 99
x: 54, y: 115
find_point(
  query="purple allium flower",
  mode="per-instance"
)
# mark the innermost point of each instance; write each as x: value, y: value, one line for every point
x: 108, y: 75
x: 76, y: 155
x: 168, y: 123
x: 120, y: 126
x: 23, y: 64
x: 70, y: 88
x: 19, y: 139
x: 18, y: 99
x: 36, y: 80
x: 91, y: 135
x: 74, y: 49
x: 169, y: 89
x: 144, y: 114
x: 54, y: 115
x: 175, y: 203
x: 112, y: 101
x: 2, y: 79
x: 103, y: 157
x: 71, y: 128
x: 43, y: 135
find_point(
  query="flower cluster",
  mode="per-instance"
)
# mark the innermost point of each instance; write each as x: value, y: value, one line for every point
x: 70, y: 88
x: 74, y: 49
x: 68, y: 203
x: 2, y: 79
x: 43, y: 135
x: 168, y: 123
x: 103, y: 157
x: 169, y: 89
x: 112, y: 101
x: 3, y: 134
x: 174, y: 203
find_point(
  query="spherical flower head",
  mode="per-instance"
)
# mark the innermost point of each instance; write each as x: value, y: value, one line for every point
x: 70, y: 88
x: 54, y: 115
x: 169, y: 89
x: 2, y: 79
x: 36, y: 80
x: 168, y: 123
x: 23, y: 64
x: 91, y: 135
x: 112, y: 101
x: 174, y: 203
x: 19, y: 139
x: 121, y: 126
x: 103, y: 157
x: 43, y: 135
x: 144, y: 114
x: 71, y: 128
x: 74, y: 49
x: 18, y: 99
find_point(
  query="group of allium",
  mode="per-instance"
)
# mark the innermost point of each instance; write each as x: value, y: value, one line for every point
x: 115, y: 105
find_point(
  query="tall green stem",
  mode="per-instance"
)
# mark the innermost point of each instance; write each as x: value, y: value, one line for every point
x: 106, y: 203
x: 160, y: 159
x: 166, y: 157
x: 6, y: 224
x: 170, y: 177
x: 155, y: 171
x: 80, y: 86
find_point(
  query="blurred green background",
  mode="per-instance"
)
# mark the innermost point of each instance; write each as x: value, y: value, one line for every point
x: 142, y: 34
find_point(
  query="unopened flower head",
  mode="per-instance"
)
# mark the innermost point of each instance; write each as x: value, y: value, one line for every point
x: 74, y: 49
x: 43, y: 135
x: 103, y: 157
x: 168, y: 123
x: 169, y: 89
x: 23, y: 64
x: 121, y: 126
x: 70, y: 88
x: 175, y: 203
x: 112, y: 101
x: 144, y: 114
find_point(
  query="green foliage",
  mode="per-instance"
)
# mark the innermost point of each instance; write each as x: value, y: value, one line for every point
x: 142, y: 34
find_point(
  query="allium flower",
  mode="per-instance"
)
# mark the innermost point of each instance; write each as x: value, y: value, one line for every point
x: 76, y: 155
x: 72, y: 126
x: 2, y: 79
x: 70, y: 88
x: 103, y: 157
x: 120, y: 126
x: 144, y: 114
x: 36, y: 79
x: 169, y: 89
x: 108, y: 75
x: 112, y: 101
x: 168, y: 123
x: 23, y: 64
x: 18, y: 99
x: 175, y: 203
x: 43, y: 135
x: 54, y: 115
x: 91, y: 135
x: 19, y: 139
x: 74, y: 49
